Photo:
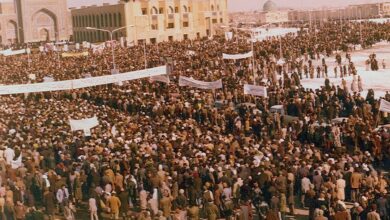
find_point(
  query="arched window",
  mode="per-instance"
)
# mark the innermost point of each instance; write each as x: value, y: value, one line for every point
x: 153, y: 11
x: 185, y: 9
x: 217, y: 7
x: 212, y: 8
x: 171, y: 10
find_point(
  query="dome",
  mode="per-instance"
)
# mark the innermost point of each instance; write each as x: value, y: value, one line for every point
x: 270, y: 6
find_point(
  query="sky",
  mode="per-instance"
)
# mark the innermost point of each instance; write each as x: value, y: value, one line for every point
x: 250, y: 5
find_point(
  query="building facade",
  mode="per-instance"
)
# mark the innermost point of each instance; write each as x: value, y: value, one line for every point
x: 150, y: 20
x: 354, y: 12
x: 24, y: 21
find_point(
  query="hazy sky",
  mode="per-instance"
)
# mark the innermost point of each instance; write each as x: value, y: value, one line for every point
x: 245, y: 5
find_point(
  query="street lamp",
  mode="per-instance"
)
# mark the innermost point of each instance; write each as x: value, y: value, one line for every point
x: 114, y: 70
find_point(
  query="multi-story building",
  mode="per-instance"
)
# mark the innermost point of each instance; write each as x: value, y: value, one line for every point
x: 150, y: 20
x: 33, y: 20
x: 361, y: 11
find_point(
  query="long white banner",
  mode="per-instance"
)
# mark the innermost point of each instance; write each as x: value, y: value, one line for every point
x: 81, y: 83
x: 255, y: 90
x: 237, y: 56
x: 385, y: 106
x: 186, y: 81
x: 14, y: 52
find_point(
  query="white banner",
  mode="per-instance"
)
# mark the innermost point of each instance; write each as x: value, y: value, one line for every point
x: 237, y: 56
x: 14, y: 52
x: 80, y: 54
x: 255, y: 90
x: 84, y: 124
x: 186, y: 81
x: 228, y: 35
x: 385, y: 106
x: 162, y: 78
x: 98, y: 48
x: 81, y: 83
x: 5, y: 51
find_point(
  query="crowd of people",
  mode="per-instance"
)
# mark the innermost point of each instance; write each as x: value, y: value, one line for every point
x: 162, y: 151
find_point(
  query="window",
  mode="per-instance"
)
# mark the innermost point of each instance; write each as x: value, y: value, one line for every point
x: 144, y: 11
x: 176, y: 9
x: 154, y: 11
x: 73, y: 21
x: 171, y: 11
x: 105, y: 20
x: 161, y: 10
x: 185, y: 10
x: 153, y: 40
x: 217, y: 7
x: 171, y: 25
x: 189, y: 9
x: 110, y: 19
x: 221, y: 20
x: 120, y: 19
x: 185, y: 36
x: 154, y: 26
x: 215, y: 21
x: 170, y: 38
x: 141, y: 42
x: 185, y: 24
x: 212, y: 7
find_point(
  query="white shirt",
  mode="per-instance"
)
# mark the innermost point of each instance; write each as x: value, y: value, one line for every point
x: 305, y: 184
x: 9, y: 155
x: 62, y: 194
x: 92, y: 205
